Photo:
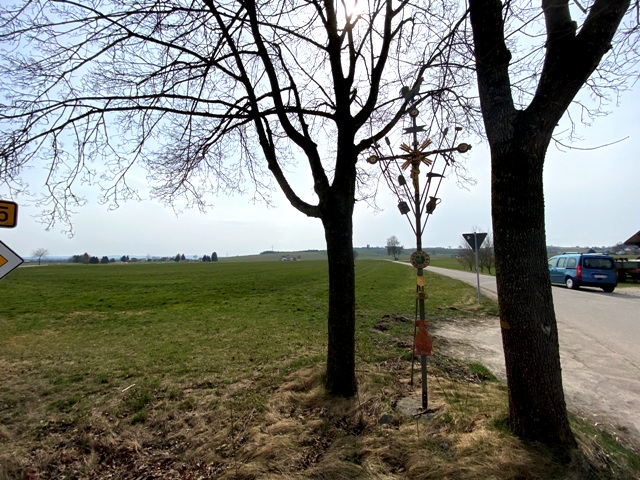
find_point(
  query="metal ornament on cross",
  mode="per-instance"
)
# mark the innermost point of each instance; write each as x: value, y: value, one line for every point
x: 413, y: 158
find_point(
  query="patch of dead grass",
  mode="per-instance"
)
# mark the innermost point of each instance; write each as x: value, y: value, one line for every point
x: 253, y: 429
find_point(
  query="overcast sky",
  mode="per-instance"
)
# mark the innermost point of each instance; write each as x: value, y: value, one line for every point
x: 591, y: 199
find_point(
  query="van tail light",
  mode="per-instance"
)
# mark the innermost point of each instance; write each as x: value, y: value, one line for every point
x: 616, y: 274
x: 579, y: 272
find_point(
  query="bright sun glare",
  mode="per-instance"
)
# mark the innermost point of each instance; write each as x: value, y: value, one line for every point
x: 352, y: 8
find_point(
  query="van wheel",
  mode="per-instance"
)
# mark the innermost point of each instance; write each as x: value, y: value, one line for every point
x: 608, y: 289
x: 571, y: 283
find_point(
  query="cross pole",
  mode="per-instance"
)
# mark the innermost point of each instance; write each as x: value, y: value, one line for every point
x: 416, y: 155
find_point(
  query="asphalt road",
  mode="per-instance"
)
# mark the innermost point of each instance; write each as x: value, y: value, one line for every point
x: 599, y: 349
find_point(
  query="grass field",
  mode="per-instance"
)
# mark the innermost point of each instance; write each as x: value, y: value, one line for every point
x: 214, y: 370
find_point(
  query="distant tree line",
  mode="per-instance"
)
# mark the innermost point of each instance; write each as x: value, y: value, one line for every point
x: 87, y: 259
x: 309, y: 250
x: 84, y: 258
x: 205, y: 258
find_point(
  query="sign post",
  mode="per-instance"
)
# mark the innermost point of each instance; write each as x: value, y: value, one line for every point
x: 475, y: 240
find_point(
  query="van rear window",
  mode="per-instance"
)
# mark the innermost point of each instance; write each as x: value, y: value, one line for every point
x: 601, y: 263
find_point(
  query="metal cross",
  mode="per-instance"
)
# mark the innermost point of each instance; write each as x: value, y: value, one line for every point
x: 416, y: 156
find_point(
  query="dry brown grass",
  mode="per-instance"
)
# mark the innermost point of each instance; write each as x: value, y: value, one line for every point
x: 301, y: 432
x: 306, y: 434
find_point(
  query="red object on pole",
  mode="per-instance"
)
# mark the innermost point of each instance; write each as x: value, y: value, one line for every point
x: 422, y: 342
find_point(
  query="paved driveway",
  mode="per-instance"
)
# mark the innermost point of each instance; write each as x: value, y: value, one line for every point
x: 599, y: 348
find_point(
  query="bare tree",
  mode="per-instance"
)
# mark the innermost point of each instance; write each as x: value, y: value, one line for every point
x: 209, y: 96
x: 39, y: 253
x: 466, y: 256
x: 486, y: 256
x: 394, y: 247
x: 525, y: 89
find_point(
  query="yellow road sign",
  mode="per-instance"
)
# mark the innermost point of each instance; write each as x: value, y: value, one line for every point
x: 3, y: 260
x: 8, y: 214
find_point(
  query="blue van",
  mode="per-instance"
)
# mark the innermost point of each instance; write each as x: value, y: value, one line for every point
x: 577, y: 270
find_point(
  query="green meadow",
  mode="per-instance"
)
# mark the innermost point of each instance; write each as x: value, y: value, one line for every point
x: 214, y: 370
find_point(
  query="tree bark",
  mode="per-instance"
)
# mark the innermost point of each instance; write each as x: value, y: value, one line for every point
x: 519, y: 140
x: 338, y: 228
x: 537, y: 408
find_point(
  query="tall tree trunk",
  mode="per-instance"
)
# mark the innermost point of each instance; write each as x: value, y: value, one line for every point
x: 537, y: 407
x: 519, y: 141
x: 338, y: 228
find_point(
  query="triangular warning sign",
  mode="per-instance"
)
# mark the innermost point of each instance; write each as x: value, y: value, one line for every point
x: 475, y: 239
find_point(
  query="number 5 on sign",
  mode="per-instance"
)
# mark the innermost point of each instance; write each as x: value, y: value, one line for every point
x: 8, y: 214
